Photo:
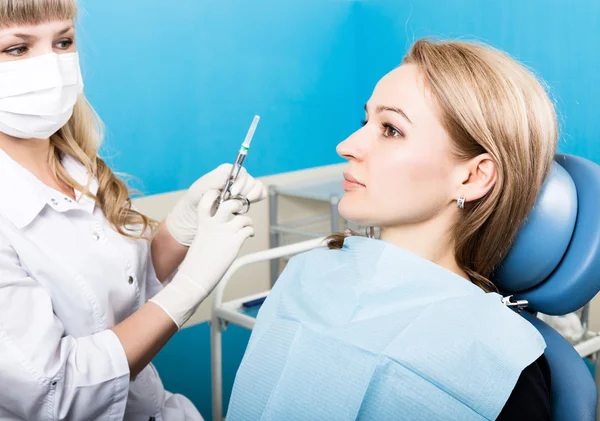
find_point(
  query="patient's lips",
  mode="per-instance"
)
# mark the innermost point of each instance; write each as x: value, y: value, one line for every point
x: 351, y: 183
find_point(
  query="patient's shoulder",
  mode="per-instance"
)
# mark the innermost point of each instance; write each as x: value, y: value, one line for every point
x: 530, y: 398
x: 312, y: 264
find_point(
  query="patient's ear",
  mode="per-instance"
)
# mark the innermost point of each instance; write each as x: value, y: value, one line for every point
x: 476, y: 177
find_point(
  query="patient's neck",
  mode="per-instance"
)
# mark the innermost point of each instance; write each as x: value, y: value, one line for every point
x: 428, y: 240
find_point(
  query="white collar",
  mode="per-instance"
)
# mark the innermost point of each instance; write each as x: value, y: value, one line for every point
x: 23, y: 196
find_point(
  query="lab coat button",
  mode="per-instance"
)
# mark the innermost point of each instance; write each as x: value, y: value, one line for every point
x: 130, y: 280
x: 95, y: 236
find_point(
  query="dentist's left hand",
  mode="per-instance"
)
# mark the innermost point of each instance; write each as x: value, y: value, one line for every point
x: 221, y: 235
x: 182, y: 221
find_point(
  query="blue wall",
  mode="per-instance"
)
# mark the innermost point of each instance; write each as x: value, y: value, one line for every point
x: 178, y: 87
x: 178, y: 83
x: 184, y: 364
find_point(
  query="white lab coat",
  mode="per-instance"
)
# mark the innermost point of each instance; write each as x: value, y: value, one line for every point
x: 66, y: 277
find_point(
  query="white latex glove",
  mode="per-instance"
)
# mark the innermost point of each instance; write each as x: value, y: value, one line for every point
x: 182, y: 221
x: 218, y: 240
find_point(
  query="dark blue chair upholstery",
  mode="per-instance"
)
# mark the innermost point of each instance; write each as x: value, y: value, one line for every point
x: 554, y: 264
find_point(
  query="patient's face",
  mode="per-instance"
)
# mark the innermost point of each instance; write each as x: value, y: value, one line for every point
x: 400, y: 160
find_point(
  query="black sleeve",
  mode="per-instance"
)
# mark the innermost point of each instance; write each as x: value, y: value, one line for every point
x: 530, y: 399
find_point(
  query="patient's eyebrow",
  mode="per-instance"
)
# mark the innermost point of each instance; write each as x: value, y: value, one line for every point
x: 396, y: 110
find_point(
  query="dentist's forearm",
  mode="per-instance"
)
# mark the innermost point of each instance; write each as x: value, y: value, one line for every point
x: 167, y: 253
x: 143, y: 335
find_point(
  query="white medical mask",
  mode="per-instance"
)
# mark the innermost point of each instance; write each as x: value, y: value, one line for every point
x: 37, y: 95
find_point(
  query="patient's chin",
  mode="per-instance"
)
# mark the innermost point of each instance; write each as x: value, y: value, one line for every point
x: 353, y: 210
x: 346, y: 206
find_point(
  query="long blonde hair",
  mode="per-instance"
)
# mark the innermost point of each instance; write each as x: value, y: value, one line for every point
x: 489, y: 103
x: 83, y: 133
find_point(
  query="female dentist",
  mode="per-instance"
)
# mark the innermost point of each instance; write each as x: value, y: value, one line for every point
x: 82, y: 308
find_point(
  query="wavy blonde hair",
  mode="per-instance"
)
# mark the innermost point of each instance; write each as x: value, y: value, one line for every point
x: 489, y: 103
x: 83, y: 133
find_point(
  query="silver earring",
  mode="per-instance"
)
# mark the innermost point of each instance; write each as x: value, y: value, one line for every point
x: 370, y: 231
x: 461, y: 202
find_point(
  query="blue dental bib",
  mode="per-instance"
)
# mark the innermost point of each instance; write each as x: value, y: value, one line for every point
x: 373, y: 332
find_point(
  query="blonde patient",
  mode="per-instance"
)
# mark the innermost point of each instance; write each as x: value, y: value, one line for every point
x: 430, y: 138
x: 454, y: 148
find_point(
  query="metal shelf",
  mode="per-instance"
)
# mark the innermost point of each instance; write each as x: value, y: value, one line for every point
x: 319, y: 189
x: 328, y: 190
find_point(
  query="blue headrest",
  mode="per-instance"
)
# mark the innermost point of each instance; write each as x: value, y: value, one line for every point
x: 554, y: 262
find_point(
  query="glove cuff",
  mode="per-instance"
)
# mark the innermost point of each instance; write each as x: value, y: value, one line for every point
x: 180, y: 299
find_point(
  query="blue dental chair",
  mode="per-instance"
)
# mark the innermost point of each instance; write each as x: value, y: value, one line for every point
x: 554, y: 265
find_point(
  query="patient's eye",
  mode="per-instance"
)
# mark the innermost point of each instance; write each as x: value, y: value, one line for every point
x: 391, y: 131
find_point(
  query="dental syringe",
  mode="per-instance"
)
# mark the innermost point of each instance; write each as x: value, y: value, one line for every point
x: 239, y: 161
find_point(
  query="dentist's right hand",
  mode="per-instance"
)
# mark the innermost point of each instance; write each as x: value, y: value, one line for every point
x: 218, y: 240
x: 181, y: 222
